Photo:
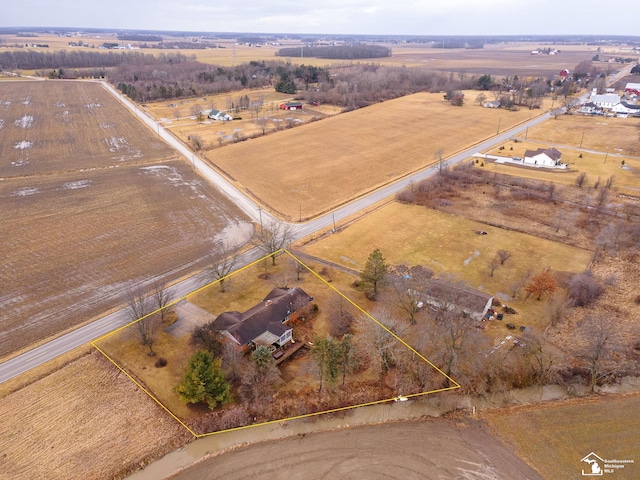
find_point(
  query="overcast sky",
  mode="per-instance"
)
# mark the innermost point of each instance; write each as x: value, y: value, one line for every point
x: 400, y: 17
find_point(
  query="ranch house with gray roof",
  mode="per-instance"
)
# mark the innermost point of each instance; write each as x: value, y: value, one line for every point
x: 267, y: 322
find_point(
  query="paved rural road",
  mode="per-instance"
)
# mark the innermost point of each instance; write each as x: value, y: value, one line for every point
x: 50, y: 350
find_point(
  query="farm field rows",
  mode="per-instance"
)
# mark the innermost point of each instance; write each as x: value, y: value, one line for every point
x: 500, y: 59
x: 303, y: 172
x: 567, y: 432
x: 91, y: 200
x: 84, y: 421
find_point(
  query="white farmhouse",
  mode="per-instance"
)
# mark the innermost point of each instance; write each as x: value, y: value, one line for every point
x: 541, y: 157
x: 605, y: 101
x: 624, y: 109
x: 220, y: 115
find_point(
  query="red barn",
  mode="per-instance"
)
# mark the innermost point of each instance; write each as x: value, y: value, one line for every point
x: 291, y: 106
x: 632, y: 89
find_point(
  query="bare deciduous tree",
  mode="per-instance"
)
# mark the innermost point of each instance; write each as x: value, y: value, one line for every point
x: 232, y: 357
x: 223, y: 263
x: 140, y: 309
x: 438, y: 156
x: 161, y: 297
x: 503, y: 256
x: 556, y: 309
x: 493, y: 264
x: 516, y: 287
x: 297, y: 267
x: 601, y: 197
x: 450, y: 337
x: 541, y: 360
x: 204, y: 337
x: 584, y: 288
x: 196, y: 142
x: 258, y: 378
x: 379, y: 346
x: 340, y: 317
x: 273, y: 237
x: 581, y: 179
x: 263, y: 123
x: 599, y: 342
x: 327, y: 273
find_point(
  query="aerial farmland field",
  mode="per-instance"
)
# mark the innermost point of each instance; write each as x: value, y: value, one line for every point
x: 311, y: 169
x: 90, y: 200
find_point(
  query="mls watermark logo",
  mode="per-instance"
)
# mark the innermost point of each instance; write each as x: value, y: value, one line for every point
x: 596, y: 466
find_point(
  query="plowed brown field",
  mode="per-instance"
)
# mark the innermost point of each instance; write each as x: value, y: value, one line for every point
x: 90, y: 200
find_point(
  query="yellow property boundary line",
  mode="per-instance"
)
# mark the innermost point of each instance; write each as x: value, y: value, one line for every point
x: 455, y: 385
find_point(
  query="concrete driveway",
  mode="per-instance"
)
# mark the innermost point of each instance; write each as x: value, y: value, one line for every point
x: 190, y: 316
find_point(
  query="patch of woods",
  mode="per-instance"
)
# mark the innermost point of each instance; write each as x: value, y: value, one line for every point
x: 338, y: 52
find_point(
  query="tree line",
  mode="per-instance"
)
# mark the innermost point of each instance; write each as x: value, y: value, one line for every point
x: 337, y: 52
x: 33, y: 60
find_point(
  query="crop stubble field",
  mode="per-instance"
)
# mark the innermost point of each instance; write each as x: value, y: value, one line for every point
x: 90, y: 199
x: 316, y: 167
x: 84, y: 421
x: 566, y: 432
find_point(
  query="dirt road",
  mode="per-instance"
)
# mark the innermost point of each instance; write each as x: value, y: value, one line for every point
x: 426, y: 449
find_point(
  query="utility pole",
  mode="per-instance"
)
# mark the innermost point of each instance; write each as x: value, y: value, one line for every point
x: 581, y: 140
x: 498, y: 126
x: 606, y: 154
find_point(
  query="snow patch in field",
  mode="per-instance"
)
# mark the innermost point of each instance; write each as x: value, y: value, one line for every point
x: 20, y: 163
x: 23, y: 145
x: 24, y: 122
x: 25, y: 191
x: 59, y: 104
x: 1, y: 123
x: 176, y: 179
x: 107, y: 126
x: 118, y: 144
x: 156, y: 167
x: 91, y: 106
x: 77, y: 184
x: 6, y: 103
x: 26, y: 101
